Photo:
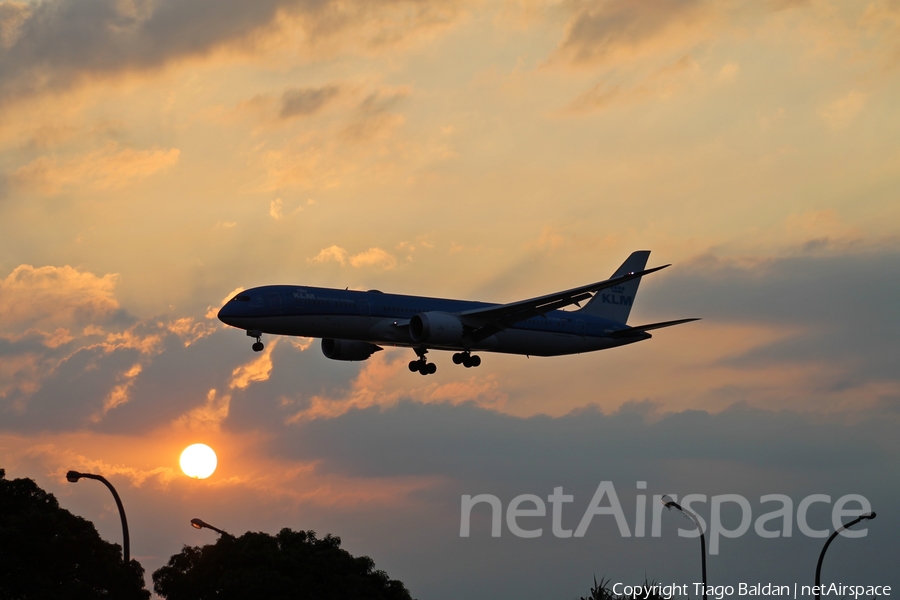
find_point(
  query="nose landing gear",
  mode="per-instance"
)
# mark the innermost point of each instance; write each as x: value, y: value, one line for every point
x: 466, y: 359
x: 421, y: 365
x: 257, y: 346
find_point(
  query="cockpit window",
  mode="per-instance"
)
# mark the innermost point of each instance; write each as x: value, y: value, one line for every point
x: 241, y: 298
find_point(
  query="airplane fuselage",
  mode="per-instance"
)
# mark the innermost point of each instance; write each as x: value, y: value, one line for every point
x: 383, y: 319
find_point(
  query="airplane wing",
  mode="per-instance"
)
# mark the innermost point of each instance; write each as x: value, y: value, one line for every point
x: 485, y: 322
x: 630, y: 331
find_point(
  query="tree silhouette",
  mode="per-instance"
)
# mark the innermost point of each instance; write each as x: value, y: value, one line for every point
x: 291, y: 565
x: 46, y: 552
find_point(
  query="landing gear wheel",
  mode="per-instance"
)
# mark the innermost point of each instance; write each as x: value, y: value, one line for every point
x: 257, y: 345
x: 421, y: 364
x: 469, y: 361
x: 458, y: 358
x: 427, y: 368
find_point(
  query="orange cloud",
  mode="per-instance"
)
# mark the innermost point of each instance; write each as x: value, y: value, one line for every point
x: 49, y: 298
x: 257, y: 369
x: 841, y: 112
x: 383, y: 382
x: 373, y: 257
x: 120, y: 393
x: 210, y: 415
x: 107, y: 168
x: 190, y: 330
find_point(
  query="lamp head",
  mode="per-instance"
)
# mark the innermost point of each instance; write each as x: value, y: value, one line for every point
x: 73, y: 476
x: 197, y: 524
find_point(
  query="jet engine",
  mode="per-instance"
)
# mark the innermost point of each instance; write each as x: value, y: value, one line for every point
x: 348, y: 349
x: 435, y: 328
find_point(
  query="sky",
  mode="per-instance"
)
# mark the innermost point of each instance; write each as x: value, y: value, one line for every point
x: 158, y: 155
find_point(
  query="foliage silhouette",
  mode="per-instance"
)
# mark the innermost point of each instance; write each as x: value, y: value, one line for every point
x: 46, y: 552
x: 601, y: 591
x: 291, y: 565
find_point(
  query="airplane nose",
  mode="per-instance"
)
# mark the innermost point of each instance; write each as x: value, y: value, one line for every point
x: 227, y: 313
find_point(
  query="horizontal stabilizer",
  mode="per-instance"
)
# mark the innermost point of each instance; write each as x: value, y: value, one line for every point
x: 622, y: 333
x: 487, y: 321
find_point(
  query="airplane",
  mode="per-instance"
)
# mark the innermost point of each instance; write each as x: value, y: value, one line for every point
x: 353, y: 325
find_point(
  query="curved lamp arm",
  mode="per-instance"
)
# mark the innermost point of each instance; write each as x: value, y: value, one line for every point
x: 74, y: 476
x: 865, y: 517
x: 668, y: 502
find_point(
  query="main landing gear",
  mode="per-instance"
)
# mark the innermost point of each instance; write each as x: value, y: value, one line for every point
x: 421, y: 365
x: 465, y: 359
x: 257, y: 345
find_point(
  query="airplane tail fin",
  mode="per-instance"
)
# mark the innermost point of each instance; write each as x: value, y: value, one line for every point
x: 615, y: 303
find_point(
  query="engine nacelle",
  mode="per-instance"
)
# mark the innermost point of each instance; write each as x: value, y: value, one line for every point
x: 348, y: 349
x: 436, y: 328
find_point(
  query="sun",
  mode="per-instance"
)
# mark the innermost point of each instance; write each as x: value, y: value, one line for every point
x: 198, y: 461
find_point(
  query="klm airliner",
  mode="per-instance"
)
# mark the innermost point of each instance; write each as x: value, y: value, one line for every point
x: 354, y: 325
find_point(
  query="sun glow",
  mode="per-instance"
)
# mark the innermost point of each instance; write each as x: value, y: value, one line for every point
x: 198, y: 461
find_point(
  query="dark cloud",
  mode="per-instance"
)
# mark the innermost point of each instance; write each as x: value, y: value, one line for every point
x: 70, y: 394
x: 468, y: 442
x: 599, y: 29
x: 375, y: 115
x: 61, y: 41
x: 307, y: 101
x: 477, y: 451
x: 840, y: 309
x: 65, y: 388
x: 54, y: 44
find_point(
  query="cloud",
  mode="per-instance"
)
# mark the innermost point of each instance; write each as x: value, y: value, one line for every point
x: 375, y: 441
x: 190, y: 330
x: 841, y: 112
x: 276, y: 209
x: 662, y: 83
x: 837, y: 311
x: 331, y: 253
x: 307, y: 101
x: 374, y: 115
x: 57, y: 44
x: 257, y: 369
x: 107, y: 168
x: 12, y: 16
x: 729, y: 72
x: 601, y: 31
x: 48, y: 298
x: 384, y: 381
x: 119, y: 394
x: 373, y: 257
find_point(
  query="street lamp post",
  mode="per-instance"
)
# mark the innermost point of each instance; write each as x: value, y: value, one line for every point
x: 201, y: 524
x: 669, y: 503
x: 865, y: 517
x: 74, y: 476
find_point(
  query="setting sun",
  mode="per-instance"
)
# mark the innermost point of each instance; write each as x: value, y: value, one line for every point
x: 198, y: 461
